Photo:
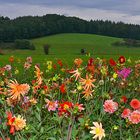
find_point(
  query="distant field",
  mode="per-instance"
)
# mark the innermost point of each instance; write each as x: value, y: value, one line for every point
x: 68, y: 46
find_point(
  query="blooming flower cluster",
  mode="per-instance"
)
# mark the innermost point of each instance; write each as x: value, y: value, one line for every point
x: 132, y: 115
x: 84, y: 101
x: 15, y: 123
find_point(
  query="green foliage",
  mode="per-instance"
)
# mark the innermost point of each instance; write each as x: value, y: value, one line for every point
x: 29, y: 27
x: 7, y: 45
x: 128, y: 43
x: 24, y: 44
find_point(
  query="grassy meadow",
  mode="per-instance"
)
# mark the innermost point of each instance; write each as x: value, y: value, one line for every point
x: 68, y: 46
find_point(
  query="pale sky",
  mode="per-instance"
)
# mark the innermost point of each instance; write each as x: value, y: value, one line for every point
x: 127, y: 11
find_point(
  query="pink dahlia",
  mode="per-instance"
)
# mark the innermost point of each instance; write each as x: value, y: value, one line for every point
x: 110, y: 106
x: 51, y: 105
x: 134, y: 117
x: 126, y: 113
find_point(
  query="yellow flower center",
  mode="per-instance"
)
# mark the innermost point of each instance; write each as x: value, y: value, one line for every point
x: 115, y: 75
x: 88, y: 82
x: 98, y: 131
x: 66, y: 107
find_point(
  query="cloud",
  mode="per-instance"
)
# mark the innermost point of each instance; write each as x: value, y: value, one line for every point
x: 127, y: 11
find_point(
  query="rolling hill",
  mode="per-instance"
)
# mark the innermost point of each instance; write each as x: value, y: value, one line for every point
x: 68, y: 46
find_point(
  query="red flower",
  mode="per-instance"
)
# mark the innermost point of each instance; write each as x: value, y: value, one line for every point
x: 10, y: 122
x: 63, y: 88
x: 90, y: 62
x: 126, y: 113
x: 59, y: 62
x: 45, y: 87
x: 121, y: 59
x: 10, y: 118
x: 12, y: 129
x: 124, y: 99
x: 33, y: 82
x: 64, y: 108
x: 11, y: 59
x: 135, y: 104
x: 54, y: 66
x: 112, y: 62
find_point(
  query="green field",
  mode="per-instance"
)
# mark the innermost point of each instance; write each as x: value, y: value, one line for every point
x: 68, y: 46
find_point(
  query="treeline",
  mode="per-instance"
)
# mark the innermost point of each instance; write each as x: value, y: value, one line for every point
x: 34, y: 26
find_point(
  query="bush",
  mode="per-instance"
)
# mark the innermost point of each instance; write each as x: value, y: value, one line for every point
x: 127, y: 42
x: 46, y: 49
x: 83, y: 51
x: 24, y: 44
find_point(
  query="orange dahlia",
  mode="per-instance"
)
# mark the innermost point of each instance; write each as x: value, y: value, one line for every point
x: 38, y: 74
x: 87, y: 93
x: 78, y: 62
x: 88, y: 83
x: 16, y: 89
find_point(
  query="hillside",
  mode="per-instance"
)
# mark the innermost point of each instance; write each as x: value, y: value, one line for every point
x: 71, y: 44
x: 68, y: 46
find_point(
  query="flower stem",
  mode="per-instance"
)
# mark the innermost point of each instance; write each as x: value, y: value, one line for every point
x: 70, y: 129
x: 2, y: 135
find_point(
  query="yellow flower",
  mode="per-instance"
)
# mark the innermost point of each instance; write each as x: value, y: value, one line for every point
x: 19, y: 123
x: 49, y: 63
x: 97, y: 131
x: 115, y: 75
x: 49, y: 67
x: 16, y: 71
x: 63, y: 70
x: 33, y: 101
x: 1, y: 83
x: 79, y: 87
x: 104, y: 70
x: 129, y: 60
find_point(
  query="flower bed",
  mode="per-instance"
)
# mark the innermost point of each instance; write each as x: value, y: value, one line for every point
x: 97, y: 100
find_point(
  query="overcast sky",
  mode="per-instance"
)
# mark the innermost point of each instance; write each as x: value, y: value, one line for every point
x: 127, y: 11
